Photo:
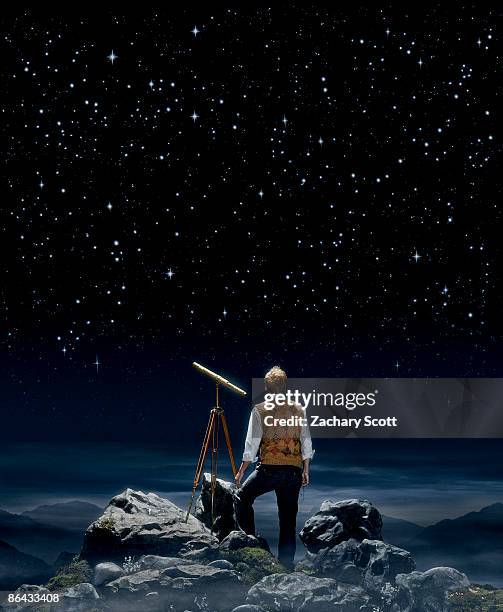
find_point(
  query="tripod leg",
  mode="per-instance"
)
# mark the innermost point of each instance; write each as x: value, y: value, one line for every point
x: 200, y: 463
x: 214, y: 465
x: 228, y: 442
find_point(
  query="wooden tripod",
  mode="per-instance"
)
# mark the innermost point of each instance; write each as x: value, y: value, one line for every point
x: 217, y: 418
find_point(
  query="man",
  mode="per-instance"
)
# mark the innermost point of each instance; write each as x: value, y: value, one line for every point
x: 284, y: 456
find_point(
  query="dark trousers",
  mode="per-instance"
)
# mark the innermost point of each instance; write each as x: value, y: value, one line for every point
x: 286, y: 481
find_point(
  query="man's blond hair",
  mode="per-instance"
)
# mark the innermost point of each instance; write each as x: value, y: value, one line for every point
x: 275, y: 380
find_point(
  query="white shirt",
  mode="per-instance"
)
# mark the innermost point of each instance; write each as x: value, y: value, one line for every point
x: 254, y: 437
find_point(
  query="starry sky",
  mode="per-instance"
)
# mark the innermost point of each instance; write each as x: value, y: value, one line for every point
x: 312, y: 187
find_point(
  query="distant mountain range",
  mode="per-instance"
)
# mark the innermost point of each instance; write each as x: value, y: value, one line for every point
x: 17, y: 567
x: 398, y: 531
x: 72, y: 515
x: 46, y: 531
x: 472, y: 543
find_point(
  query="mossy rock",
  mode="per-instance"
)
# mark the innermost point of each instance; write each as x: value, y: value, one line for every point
x: 477, y: 598
x: 254, y: 563
x: 70, y: 575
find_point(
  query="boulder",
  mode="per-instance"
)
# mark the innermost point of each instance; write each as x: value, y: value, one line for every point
x: 339, y: 521
x: 339, y: 562
x: 223, y: 506
x: 370, y: 564
x: 106, y: 572
x: 239, y: 539
x: 79, y: 598
x: 135, y: 523
x: 298, y: 592
x: 381, y: 563
x: 180, y: 585
x: 428, y: 591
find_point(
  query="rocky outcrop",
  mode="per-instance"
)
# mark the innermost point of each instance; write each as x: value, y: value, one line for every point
x: 180, y: 585
x: 135, y: 523
x: 145, y: 557
x: 223, y: 506
x: 339, y: 521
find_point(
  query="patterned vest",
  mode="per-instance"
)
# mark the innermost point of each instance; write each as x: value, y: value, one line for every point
x: 280, y: 445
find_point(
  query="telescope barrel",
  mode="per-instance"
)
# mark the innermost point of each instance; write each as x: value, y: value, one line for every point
x: 217, y: 378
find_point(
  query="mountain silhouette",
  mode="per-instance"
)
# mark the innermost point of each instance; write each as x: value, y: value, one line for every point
x: 17, y: 567
x: 473, y: 543
x: 37, y: 539
x: 71, y: 515
x: 398, y: 531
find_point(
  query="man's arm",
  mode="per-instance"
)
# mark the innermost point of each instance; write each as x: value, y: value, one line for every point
x: 307, y: 453
x: 252, y: 443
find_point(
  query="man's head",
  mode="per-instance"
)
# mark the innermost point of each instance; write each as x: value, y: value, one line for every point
x: 275, y: 380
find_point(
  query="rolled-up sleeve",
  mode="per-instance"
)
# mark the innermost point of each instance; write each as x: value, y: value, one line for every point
x: 306, y: 444
x: 253, y: 437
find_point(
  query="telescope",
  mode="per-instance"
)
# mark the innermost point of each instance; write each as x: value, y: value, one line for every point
x: 217, y: 418
x: 220, y: 380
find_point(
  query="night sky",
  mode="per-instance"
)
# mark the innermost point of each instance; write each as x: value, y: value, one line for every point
x: 318, y: 188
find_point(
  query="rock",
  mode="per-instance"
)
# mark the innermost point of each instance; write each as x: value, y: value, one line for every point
x: 338, y: 562
x: 106, y: 572
x: 253, y: 563
x: 198, y: 551
x: 135, y: 523
x: 239, y: 539
x: 159, y: 563
x: 178, y: 585
x: 288, y: 592
x: 223, y: 506
x: 222, y: 564
x: 381, y: 563
x: 346, y: 598
x: 428, y: 591
x: 340, y: 521
x: 371, y: 564
x: 249, y: 608
x: 84, y: 590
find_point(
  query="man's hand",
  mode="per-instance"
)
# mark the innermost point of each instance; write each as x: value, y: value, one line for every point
x: 305, y: 478
x: 238, y: 477
x: 241, y: 472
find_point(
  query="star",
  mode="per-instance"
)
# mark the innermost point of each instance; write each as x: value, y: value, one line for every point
x: 416, y: 256
x: 63, y: 350
x: 109, y: 206
x: 420, y: 62
x: 151, y: 84
x: 284, y: 120
x: 445, y: 290
x: 170, y: 274
x: 320, y: 140
x: 41, y: 184
x: 195, y: 31
x: 194, y: 116
x: 112, y: 57
x: 97, y: 364
x: 397, y: 365
x: 224, y: 312
x: 261, y: 194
